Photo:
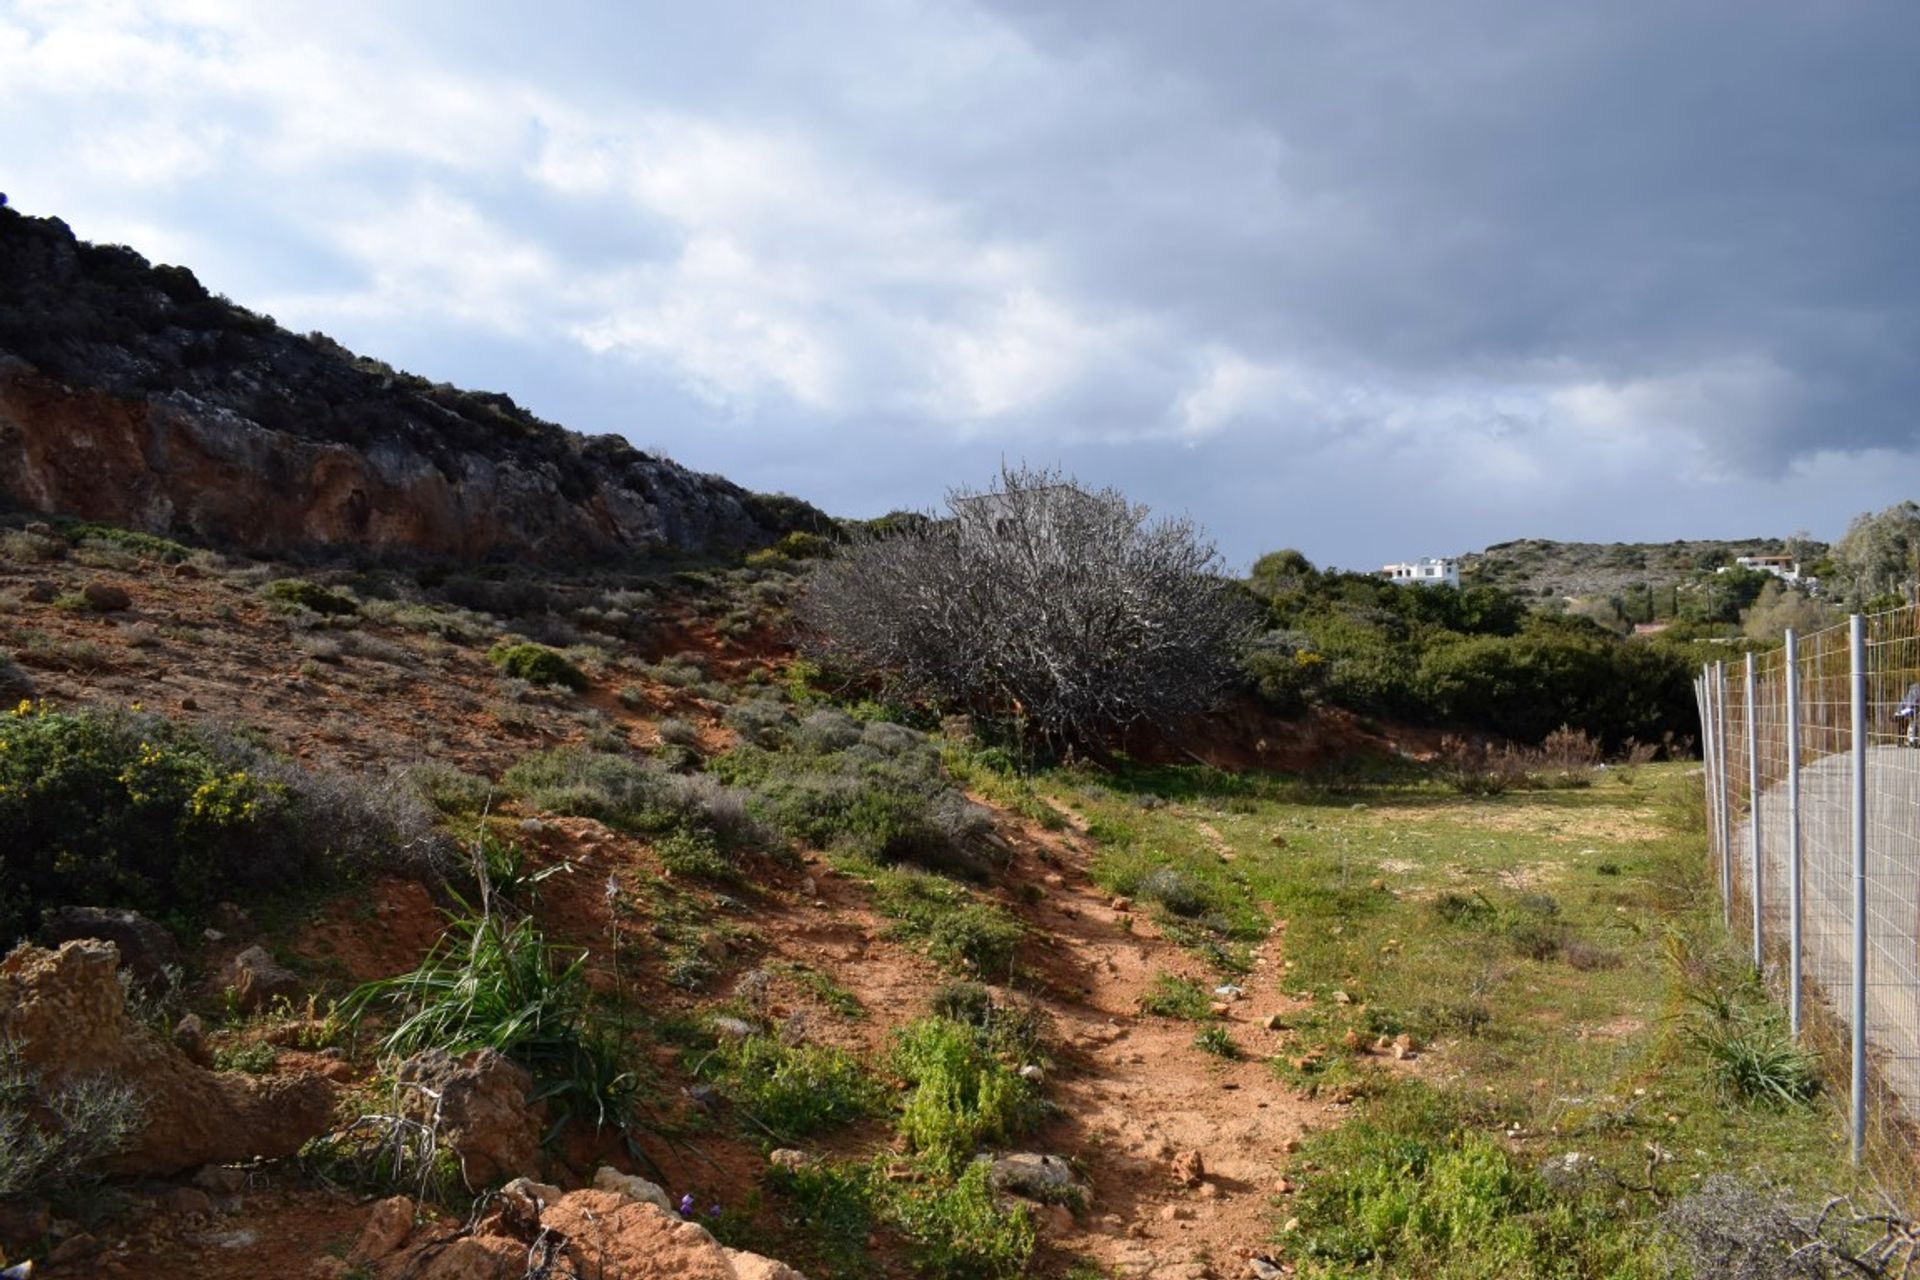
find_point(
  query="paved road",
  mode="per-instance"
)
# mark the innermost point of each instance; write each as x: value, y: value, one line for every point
x: 1893, y: 897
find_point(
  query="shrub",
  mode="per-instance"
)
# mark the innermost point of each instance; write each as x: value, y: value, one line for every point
x: 451, y: 790
x: 310, y: 595
x: 15, y: 683
x: 1062, y: 610
x: 146, y: 545
x: 1217, y: 1041
x: 54, y: 1136
x: 129, y: 809
x: 537, y: 664
x: 1754, y: 1059
x: 960, y: 1094
x: 835, y: 1206
x: 1176, y: 890
x: 794, y: 1090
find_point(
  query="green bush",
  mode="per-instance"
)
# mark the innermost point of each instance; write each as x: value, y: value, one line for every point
x: 123, y: 808
x: 834, y: 1208
x: 151, y: 546
x: 957, y: 932
x: 960, y: 1093
x: 794, y: 1090
x: 310, y: 595
x: 537, y: 664
x: 963, y: 1231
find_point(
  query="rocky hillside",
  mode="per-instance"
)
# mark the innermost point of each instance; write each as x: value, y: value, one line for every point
x: 130, y: 394
x: 1538, y: 566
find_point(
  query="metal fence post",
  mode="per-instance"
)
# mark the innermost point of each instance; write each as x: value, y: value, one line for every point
x: 1857, y: 666
x: 1753, y: 807
x: 1792, y: 676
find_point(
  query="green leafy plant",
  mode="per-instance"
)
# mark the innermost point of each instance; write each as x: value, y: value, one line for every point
x: 54, y: 1136
x: 791, y: 1091
x: 960, y: 1093
x: 962, y: 1230
x: 1216, y: 1040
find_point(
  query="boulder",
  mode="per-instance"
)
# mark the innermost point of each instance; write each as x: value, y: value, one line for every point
x: 387, y: 1228
x: 147, y: 950
x: 1048, y: 1179
x: 598, y: 1233
x: 633, y: 1187
x: 479, y: 1105
x: 257, y: 980
x: 104, y: 597
x: 67, y: 1013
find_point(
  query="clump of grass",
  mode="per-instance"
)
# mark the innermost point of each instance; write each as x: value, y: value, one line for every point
x: 255, y: 1057
x: 824, y: 988
x: 794, y: 1090
x: 1751, y: 1055
x: 1216, y: 1040
x: 488, y: 984
x: 451, y: 790
x: 1171, y: 996
x: 302, y: 594
x: 537, y: 664
x: 144, y: 545
x: 834, y: 1208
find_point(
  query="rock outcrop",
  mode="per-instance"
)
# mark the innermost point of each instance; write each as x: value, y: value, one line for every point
x: 478, y: 1105
x: 66, y: 1013
x: 129, y: 394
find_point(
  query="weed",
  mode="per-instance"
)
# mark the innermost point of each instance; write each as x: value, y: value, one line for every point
x: 791, y: 1091
x: 824, y: 988
x: 945, y: 921
x: 1755, y: 1059
x: 251, y: 1056
x: 962, y: 1231
x: 961, y: 1094
x: 451, y: 790
x: 1216, y: 1040
x: 834, y: 1209
x: 1171, y: 996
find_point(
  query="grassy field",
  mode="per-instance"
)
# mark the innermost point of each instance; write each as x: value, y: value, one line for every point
x: 1587, y: 1049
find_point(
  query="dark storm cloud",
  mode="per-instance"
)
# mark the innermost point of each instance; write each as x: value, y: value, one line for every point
x: 1375, y: 280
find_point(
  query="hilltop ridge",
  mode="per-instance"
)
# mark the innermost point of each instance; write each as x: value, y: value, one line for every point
x: 130, y: 393
x: 1543, y: 567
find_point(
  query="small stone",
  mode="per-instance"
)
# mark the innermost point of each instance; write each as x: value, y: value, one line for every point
x: 1351, y: 1041
x: 1290, y: 1225
x: 633, y: 1187
x: 190, y: 1034
x: 807, y: 887
x: 1403, y: 1047
x: 1121, y: 904
x: 1176, y: 1213
x: 1277, y: 840
x: 1341, y: 997
x: 1032, y: 1072
x: 1220, y: 1008
x: 1377, y: 885
x: 532, y: 826
x: 1189, y: 1169
x: 1274, y: 1022
x: 1290, y: 1146
x: 1283, y: 1185
x: 1263, y: 1268
x: 732, y: 1028
x: 790, y: 1159
x: 189, y: 703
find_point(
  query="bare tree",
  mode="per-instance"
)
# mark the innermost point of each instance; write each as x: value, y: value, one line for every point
x: 1069, y: 612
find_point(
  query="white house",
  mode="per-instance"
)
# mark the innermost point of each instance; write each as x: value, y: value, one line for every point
x: 1432, y: 571
x: 1785, y: 568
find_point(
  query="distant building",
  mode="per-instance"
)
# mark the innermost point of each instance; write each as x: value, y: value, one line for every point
x: 1433, y: 571
x: 1785, y: 568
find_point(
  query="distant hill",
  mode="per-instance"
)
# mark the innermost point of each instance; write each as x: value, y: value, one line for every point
x: 130, y: 394
x: 1538, y: 567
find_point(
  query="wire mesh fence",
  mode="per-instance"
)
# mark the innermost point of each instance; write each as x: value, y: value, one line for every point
x: 1813, y: 803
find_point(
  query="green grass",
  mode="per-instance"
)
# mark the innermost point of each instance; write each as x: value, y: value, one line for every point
x: 1522, y: 941
x: 302, y: 594
x: 955, y: 929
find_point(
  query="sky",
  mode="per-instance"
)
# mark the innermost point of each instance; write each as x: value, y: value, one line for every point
x: 1369, y: 280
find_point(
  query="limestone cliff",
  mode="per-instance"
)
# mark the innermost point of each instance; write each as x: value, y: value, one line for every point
x: 129, y: 394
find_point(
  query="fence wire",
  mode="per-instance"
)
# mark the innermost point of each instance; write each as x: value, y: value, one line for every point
x: 1820, y: 826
